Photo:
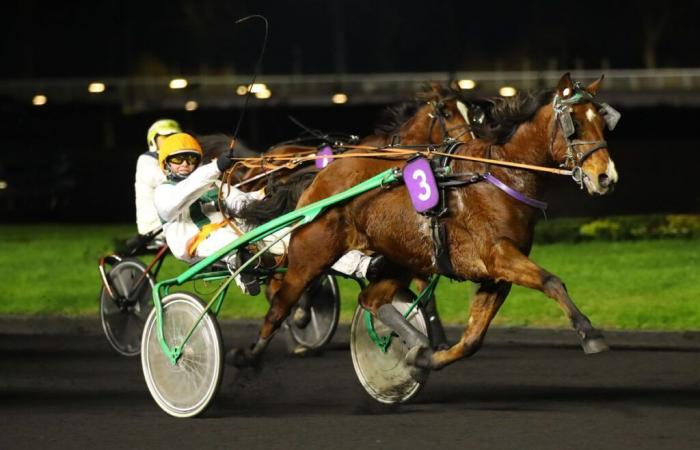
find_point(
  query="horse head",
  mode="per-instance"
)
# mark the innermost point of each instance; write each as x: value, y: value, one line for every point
x: 578, y: 141
x: 440, y: 115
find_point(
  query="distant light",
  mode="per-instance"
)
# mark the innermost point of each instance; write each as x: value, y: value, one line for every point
x: 339, y: 98
x: 259, y: 87
x: 39, y: 100
x: 507, y: 91
x: 3, y: 185
x: 242, y: 89
x: 96, y: 88
x: 466, y: 84
x: 262, y: 94
x: 178, y: 83
x: 191, y: 105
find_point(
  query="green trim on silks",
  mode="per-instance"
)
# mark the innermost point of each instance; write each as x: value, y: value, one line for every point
x: 212, y: 195
x: 197, y: 208
x: 197, y: 215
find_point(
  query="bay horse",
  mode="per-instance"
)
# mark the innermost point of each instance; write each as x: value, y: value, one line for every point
x: 436, y: 113
x: 489, y: 233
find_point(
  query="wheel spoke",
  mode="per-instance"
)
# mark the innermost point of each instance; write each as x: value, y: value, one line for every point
x: 187, y: 388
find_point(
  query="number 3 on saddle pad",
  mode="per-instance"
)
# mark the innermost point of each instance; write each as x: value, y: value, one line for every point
x: 421, y: 184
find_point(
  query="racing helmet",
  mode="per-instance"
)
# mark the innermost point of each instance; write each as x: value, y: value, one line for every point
x: 163, y: 127
x: 175, y: 144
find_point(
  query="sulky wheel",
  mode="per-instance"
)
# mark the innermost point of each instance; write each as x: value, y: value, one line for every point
x: 186, y: 388
x: 124, y: 314
x: 385, y: 376
x: 313, y: 321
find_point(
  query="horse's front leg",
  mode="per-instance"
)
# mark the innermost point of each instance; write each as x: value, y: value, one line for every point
x: 484, y: 306
x: 509, y: 264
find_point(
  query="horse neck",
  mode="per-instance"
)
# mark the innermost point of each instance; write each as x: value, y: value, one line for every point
x: 530, y: 145
x: 418, y: 130
x: 531, y: 141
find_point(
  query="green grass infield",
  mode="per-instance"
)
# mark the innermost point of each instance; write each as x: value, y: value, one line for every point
x: 650, y: 285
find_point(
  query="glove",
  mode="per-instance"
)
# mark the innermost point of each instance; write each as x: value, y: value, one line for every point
x: 135, y: 244
x: 223, y: 162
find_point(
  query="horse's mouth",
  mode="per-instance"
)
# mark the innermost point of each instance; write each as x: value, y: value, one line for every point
x: 596, y: 189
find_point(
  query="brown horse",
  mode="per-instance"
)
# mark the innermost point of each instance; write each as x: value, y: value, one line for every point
x: 436, y: 114
x: 489, y: 232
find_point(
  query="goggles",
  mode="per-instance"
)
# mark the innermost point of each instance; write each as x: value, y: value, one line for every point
x: 192, y: 159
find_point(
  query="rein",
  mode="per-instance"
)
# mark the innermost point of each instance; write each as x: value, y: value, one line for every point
x: 397, y: 151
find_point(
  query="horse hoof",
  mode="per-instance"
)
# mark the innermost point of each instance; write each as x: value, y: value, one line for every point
x: 594, y: 345
x: 301, y: 318
x: 237, y: 357
x: 419, y: 356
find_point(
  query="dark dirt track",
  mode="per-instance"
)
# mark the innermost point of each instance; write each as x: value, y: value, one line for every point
x: 73, y: 392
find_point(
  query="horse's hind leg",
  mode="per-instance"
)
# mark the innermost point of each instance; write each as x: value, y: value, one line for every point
x: 309, y: 256
x: 437, y: 331
x: 511, y: 265
x: 484, y: 306
x: 377, y: 298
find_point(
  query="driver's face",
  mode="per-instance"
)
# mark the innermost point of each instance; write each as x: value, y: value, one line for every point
x: 183, y: 169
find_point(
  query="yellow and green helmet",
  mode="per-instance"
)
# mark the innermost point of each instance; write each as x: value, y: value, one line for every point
x: 163, y: 127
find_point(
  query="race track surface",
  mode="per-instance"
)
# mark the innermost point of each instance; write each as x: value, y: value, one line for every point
x: 74, y: 392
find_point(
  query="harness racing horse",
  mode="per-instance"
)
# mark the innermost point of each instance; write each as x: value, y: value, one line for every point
x: 489, y: 231
x: 437, y: 114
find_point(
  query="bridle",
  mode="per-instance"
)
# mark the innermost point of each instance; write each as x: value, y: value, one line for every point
x: 440, y: 116
x: 563, y: 121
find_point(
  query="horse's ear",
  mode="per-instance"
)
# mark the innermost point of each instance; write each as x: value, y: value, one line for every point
x: 454, y: 85
x: 435, y: 87
x: 593, y: 87
x: 565, y: 87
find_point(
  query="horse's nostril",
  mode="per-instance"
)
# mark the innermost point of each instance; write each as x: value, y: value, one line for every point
x: 603, y: 180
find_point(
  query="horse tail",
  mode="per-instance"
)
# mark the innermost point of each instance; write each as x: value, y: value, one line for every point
x: 280, y: 199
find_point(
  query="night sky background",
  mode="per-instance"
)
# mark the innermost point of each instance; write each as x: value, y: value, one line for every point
x: 76, y: 147
x: 118, y: 38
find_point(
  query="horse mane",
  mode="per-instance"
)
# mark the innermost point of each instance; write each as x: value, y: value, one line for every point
x: 503, y: 115
x: 216, y: 144
x: 393, y: 117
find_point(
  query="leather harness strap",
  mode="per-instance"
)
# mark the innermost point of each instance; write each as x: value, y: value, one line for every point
x: 438, y: 228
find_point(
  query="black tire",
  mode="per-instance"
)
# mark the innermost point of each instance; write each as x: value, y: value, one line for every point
x: 124, y: 316
x: 323, y: 300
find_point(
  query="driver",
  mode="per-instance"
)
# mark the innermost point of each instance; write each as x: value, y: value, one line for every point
x: 149, y: 176
x: 193, y: 225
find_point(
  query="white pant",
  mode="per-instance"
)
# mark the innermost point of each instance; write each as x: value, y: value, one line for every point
x: 352, y: 263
